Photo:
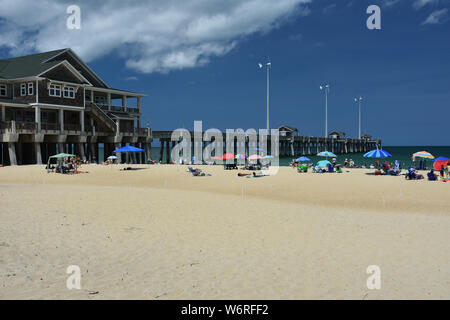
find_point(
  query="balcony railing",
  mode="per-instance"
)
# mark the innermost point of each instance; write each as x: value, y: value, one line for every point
x: 105, y: 107
x: 26, y: 126
x: 72, y: 127
x: 50, y: 126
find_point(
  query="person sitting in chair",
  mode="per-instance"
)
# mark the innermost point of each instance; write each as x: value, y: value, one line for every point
x: 431, y: 175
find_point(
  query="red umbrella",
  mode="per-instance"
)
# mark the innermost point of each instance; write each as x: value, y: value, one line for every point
x: 217, y: 158
x: 228, y: 156
x: 437, y: 164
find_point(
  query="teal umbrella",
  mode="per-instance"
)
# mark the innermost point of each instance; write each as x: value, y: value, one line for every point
x: 323, y: 163
x: 326, y: 154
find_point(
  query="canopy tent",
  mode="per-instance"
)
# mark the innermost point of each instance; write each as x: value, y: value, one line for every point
x: 128, y: 149
x: 58, y: 156
x: 62, y: 155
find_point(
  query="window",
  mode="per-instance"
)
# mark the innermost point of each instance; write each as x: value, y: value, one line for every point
x: 23, y: 89
x: 54, y: 90
x: 3, y: 90
x: 100, y: 100
x: 69, y: 92
x: 30, y: 88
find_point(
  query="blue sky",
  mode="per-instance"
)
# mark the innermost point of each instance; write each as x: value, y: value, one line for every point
x: 402, y: 71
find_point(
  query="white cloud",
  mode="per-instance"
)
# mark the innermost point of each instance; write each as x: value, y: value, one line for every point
x: 437, y: 17
x: 418, y: 4
x: 390, y: 3
x: 131, y: 78
x: 151, y: 36
x: 329, y: 8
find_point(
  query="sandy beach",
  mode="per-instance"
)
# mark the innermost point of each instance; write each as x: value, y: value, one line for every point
x: 160, y: 233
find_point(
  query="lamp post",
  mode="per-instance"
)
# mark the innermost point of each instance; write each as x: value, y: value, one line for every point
x: 268, y: 65
x: 359, y: 101
x: 327, y: 89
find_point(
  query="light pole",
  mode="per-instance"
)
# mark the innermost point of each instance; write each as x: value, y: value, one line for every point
x: 327, y: 89
x: 359, y: 100
x: 268, y: 65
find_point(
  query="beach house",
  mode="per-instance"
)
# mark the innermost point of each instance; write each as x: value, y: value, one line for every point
x: 53, y: 102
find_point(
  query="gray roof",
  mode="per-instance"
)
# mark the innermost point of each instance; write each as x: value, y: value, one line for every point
x: 27, y: 66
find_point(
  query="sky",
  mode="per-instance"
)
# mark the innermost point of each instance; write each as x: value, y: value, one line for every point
x: 198, y: 60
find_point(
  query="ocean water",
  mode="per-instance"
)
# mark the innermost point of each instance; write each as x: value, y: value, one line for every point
x: 402, y: 154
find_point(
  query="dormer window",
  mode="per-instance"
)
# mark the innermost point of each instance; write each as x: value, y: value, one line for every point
x: 3, y: 90
x: 54, y: 90
x: 69, y: 92
x: 30, y: 88
x: 23, y: 89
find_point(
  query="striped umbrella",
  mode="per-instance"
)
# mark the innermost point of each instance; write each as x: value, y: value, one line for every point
x: 377, y: 154
x: 423, y: 154
x: 326, y: 154
x: 241, y: 156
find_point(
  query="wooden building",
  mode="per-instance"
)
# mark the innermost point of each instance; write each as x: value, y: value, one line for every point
x: 53, y: 102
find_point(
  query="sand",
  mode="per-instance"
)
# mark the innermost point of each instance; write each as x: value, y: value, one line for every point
x: 160, y: 233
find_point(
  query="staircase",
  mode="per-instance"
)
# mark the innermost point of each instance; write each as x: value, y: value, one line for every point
x: 100, y: 116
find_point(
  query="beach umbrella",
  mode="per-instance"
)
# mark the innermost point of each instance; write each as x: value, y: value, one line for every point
x: 326, y: 154
x: 241, y: 156
x: 254, y: 157
x: 112, y: 158
x: 267, y: 157
x: 423, y: 154
x: 216, y: 158
x: 303, y: 159
x: 441, y: 161
x: 323, y: 163
x: 128, y: 149
x: 377, y: 154
x: 228, y: 156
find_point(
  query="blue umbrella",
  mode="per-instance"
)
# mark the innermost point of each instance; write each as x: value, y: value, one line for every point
x: 128, y: 149
x: 377, y: 154
x: 303, y: 159
x: 442, y: 159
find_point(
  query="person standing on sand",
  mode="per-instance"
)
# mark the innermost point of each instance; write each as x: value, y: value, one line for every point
x: 345, y: 163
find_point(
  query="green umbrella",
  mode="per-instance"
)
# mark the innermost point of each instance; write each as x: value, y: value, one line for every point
x: 58, y: 156
x: 62, y: 155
